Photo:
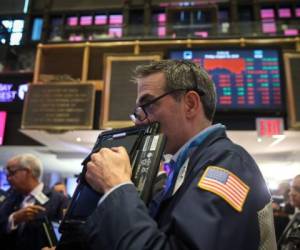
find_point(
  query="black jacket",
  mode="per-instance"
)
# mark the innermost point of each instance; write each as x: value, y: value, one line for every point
x: 32, y: 235
x: 193, y: 218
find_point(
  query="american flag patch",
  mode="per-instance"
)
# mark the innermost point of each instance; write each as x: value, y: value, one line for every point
x: 225, y: 184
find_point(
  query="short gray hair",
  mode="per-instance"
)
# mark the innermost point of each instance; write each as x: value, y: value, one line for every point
x: 31, y: 162
x: 183, y: 74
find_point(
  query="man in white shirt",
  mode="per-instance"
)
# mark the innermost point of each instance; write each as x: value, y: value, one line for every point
x: 27, y: 206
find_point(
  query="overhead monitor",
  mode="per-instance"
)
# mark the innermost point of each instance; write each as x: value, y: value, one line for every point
x: 161, y: 18
x: 12, y: 91
x: 15, y: 27
x: 115, y: 19
x: 267, y: 13
x: 100, y: 19
x: 86, y: 20
x: 297, y: 12
x: 246, y: 79
x: 72, y: 21
x: 37, y: 29
x: 269, y: 26
x: 285, y: 13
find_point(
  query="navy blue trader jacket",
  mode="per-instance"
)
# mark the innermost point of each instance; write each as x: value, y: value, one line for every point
x: 193, y: 217
x: 32, y: 236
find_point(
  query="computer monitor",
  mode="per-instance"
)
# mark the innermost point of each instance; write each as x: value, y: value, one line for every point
x: 247, y: 80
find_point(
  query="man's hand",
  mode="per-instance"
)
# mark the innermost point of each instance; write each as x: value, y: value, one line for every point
x: 27, y: 213
x: 108, y: 168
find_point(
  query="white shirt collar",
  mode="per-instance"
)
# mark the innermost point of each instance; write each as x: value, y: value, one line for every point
x: 37, y: 190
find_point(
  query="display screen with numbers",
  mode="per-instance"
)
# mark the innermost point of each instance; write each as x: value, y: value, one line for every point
x: 245, y: 79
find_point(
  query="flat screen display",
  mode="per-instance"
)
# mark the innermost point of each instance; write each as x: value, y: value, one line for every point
x: 86, y: 20
x: 246, y: 79
x: 100, y: 19
x: 115, y: 19
x: 13, y: 88
x: 12, y: 95
x: 267, y: 13
x: 285, y: 13
x: 297, y: 12
x: 72, y: 21
x: 269, y: 27
x: 37, y: 28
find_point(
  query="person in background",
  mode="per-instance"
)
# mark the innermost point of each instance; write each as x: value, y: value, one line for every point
x: 215, y: 196
x: 60, y: 187
x: 294, y: 193
x: 28, y: 205
x: 290, y: 238
x: 282, y: 207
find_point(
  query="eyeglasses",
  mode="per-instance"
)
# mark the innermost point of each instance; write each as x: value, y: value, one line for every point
x: 10, y: 172
x: 140, y: 113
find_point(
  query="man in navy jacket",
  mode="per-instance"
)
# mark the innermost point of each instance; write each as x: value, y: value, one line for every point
x: 215, y: 196
x: 28, y: 204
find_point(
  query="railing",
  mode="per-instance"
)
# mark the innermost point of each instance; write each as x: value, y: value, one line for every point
x: 265, y: 29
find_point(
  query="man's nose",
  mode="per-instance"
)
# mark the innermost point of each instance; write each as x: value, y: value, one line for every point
x: 144, y: 122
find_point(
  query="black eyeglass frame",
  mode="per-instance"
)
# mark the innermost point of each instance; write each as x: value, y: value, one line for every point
x: 134, y: 116
x: 9, y: 172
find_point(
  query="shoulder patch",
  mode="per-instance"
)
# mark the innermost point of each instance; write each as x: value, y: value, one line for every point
x: 225, y: 184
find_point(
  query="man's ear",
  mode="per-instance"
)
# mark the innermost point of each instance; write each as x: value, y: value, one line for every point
x: 192, y: 103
